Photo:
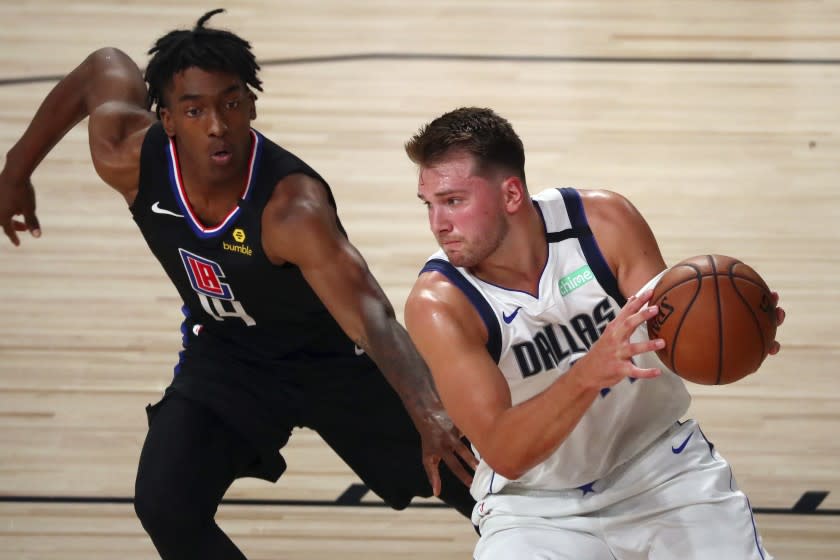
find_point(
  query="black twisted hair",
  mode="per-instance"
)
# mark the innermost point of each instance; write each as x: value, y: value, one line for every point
x: 212, y: 50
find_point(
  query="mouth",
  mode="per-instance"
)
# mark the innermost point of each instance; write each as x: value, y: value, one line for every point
x: 449, y: 244
x: 221, y: 157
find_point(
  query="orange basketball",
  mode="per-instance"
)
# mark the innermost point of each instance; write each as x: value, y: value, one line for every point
x: 717, y: 317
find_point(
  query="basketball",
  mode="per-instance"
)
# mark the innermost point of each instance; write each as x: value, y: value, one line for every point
x: 717, y: 317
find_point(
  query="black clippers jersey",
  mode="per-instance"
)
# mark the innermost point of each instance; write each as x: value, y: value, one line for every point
x: 230, y: 289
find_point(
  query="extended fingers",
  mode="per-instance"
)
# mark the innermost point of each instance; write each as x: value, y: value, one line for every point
x: 458, y: 469
x: 628, y: 350
x: 632, y: 322
x: 645, y: 373
x: 635, y: 302
x: 466, y: 455
x: 31, y: 223
x: 780, y: 318
x: 430, y: 463
x: 10, y: 232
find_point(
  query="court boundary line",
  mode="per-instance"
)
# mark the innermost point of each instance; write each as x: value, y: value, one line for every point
x: 810, y: 497
x: 526, y: 58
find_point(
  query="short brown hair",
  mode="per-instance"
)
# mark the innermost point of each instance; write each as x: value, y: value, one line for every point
x: 480, y: 132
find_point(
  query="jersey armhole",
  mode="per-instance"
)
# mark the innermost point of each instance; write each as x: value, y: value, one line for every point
x: 591, y: 251
x: 147, y: 163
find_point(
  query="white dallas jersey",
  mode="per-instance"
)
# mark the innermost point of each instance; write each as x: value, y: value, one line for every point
x: 535, y: 340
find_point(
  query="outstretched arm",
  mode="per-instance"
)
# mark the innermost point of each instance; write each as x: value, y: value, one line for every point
x: 300, y: 226
x: 108, y: 87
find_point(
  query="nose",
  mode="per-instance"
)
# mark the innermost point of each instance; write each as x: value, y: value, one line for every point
x: 216, y: 124
x: 438, y: 220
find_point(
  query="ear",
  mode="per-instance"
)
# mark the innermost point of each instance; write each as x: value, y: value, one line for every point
x: 253, y: 97
x: 168, y: 122
x: 514, y: 194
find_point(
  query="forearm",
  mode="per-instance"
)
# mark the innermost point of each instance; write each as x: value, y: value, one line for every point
x: 547, y: 418
x: 69, y: 102
x: 391, y: 348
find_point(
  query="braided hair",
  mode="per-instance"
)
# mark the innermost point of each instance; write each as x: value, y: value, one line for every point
x: 212, y: 50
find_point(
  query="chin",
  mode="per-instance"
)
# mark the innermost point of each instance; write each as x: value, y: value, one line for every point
x: 460, y: 260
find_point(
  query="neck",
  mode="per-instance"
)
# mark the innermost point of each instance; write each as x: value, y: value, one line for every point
x: 212, y: 198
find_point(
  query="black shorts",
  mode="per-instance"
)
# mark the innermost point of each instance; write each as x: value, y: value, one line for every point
x: 345, y: 399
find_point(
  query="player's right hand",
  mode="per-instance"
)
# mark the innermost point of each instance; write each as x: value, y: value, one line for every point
x: 17, y: 198
x: 441, y: 441
x: 609, y: 360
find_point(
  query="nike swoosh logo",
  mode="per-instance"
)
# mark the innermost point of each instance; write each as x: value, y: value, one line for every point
x: 358, y: 350
x: 678, y: 450
x: 508, y: 318
x: 158, y: 210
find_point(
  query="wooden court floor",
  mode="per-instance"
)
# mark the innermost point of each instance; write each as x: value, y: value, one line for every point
x: 718, y: 119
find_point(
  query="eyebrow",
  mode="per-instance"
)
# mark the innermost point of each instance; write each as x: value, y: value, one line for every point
x: 194, y: 96
x: 439, y: 194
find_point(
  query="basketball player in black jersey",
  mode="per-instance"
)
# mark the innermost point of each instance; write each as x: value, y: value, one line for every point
x: 281, y: 310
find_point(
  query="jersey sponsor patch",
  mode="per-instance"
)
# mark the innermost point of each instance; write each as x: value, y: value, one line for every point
x: 205, y: 276
x: 240, y: 247
x: 575, y: 280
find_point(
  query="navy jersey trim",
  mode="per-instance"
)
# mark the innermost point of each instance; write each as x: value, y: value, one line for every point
x: 591, y: 251
x: 556, y: 236
x: 494, y: 333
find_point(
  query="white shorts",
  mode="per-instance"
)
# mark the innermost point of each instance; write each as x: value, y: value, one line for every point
x: 676, y: 500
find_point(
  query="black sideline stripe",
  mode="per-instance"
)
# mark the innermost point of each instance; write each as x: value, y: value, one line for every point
x: 353, y: 495
x: 809, y: 502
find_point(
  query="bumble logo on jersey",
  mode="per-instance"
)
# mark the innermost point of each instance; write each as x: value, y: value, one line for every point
x: 556, y: 343
x: 238, y: 247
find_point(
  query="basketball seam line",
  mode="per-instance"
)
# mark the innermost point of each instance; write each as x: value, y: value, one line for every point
x: 673, y: 355
x: 746, y: 303
x: 719, y: 320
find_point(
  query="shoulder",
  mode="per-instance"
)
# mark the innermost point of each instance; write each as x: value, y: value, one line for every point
x: 299, y: 197
x: 603, y: 205
x: 299, y: 223
x: 624, y: 237
x: 436, y: 303
x: 118, y: 132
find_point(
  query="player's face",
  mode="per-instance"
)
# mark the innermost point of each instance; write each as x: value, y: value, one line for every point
x: 209, y: 114
x: 466, y: 211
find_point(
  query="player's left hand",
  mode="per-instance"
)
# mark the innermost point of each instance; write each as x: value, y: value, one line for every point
x: 17, y: 198
x: 780, y: 318
x: 441, y: 440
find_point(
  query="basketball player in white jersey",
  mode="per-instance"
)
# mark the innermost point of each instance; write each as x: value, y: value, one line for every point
x: 531, y: 318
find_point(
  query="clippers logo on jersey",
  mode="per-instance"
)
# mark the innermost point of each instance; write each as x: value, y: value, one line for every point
x: 205, y: 276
